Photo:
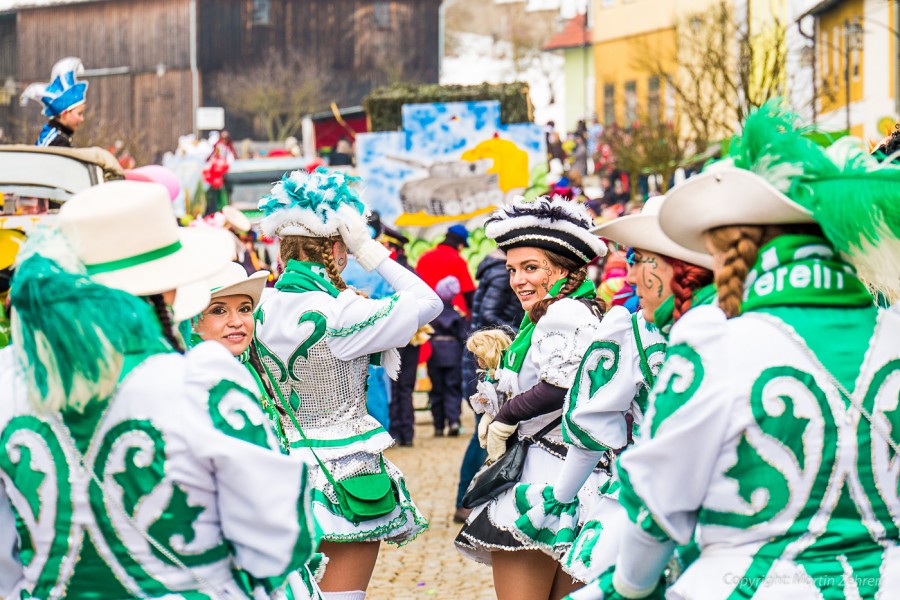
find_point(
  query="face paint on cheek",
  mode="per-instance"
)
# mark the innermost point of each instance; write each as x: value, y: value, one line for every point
x: 651, y: 280
x: 341, y: 262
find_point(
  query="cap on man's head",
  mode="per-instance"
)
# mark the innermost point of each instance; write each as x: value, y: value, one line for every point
x: 460, y: 233
x: 447, y: 288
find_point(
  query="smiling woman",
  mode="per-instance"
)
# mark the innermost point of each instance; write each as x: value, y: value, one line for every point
x: 547, y: 245
x: 229, y: 321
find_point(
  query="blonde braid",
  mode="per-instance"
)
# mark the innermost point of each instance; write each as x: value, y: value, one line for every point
x: 313, y: 249
x: 739, y: 245
x: 327, y: 259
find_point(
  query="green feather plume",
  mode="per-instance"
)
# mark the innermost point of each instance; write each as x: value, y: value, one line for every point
x: 71, y: 333
x: 854, y: 197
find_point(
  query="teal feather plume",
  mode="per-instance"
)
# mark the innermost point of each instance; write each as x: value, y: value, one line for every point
x: 71, y: 333
x: 320, y: 192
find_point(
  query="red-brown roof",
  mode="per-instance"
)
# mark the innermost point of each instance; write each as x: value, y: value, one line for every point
x: 575, y: 34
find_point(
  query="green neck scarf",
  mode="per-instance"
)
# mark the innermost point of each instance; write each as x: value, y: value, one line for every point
x: 514, y: 357
x: 798, y: 270
x: 302, y: 276
x: 663, y: 317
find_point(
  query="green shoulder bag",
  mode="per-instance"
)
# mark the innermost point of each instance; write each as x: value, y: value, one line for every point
x: 360, y: 498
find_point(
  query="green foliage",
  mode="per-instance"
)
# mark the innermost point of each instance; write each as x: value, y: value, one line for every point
x: 384, y: 104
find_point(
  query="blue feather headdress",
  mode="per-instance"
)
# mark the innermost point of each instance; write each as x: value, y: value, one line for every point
x: 307, y: 203
x: 64, y: 91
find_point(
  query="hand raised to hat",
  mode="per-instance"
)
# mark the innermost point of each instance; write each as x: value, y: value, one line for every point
x: 355, y: 233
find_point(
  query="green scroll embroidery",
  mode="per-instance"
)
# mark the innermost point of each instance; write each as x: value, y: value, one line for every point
x: 825, y: 477
x: 680, y: 383
x: 152, y: 453
x: 271, y: 360
x: 142, y: 471
x: 885, y: 492
x: 176, y: 522
x: 14, y: 442
x: 386, y: 308
x: 224, y: 418
x: 597, y: 368
x: 317, y: 320
x: 752, y: 474
x: 780, y: 422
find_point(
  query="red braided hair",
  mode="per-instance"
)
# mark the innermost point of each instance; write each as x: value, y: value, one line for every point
x: 686, y: 279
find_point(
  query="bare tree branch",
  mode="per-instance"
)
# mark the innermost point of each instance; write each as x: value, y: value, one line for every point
x: 276, y: 94
x: 722, y: 70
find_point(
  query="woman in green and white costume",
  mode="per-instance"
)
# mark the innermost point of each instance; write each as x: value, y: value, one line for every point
x: 548, y: 245
x: 612, y: 383
x: 127, y: 469
x: 316, y: 338
x: 229, y: 320
x: 773, y: 426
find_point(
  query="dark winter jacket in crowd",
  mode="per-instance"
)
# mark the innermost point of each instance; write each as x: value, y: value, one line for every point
x: 494, y: 305
x: 448, y: 339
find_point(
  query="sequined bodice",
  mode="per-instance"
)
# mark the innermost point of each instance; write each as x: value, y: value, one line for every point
x: 325, y: 392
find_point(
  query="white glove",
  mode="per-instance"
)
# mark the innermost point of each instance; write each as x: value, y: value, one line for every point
x: 483, y: 425
x: 355, y: 233
x: 485, y: 399
x: 497, y: 435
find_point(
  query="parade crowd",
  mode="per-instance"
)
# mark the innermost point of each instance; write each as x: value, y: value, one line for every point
x: 169, y: 428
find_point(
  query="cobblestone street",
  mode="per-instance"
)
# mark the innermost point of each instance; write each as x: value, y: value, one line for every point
x: 430, y: 567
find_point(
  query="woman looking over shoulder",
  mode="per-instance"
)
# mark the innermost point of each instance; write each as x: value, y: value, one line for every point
x: 316, y: 338
x: 129, y: 469
x: 229, y: 321
x: 764, y: 435
x: 547, y: 245
x: 612, y: 383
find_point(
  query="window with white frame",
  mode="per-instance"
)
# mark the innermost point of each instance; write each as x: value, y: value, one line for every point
x: 609, y: 103
x: 630, y: 103
x: 653, y: 105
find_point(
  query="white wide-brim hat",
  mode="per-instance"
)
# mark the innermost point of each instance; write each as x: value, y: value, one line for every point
x: 126, y: 235
x: 643, y: 231
x: 236, y: 218
x: 234, y: 281
x: 723, y: 196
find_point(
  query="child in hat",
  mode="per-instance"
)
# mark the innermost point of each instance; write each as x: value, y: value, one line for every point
x: 64, y: 102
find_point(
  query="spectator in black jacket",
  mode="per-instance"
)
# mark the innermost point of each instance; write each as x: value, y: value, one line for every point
x: 444, y: 365
x: 494, y: 305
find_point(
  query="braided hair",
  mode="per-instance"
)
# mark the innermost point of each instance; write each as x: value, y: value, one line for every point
x: 257, y: 365
x: 164, y: 316
x: 739, y: 246
x: 687, y: 278
x: 577, y: 276
x: 314, y: 249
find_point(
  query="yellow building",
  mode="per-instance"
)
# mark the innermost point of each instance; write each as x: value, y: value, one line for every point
x: 855, y: 66
x: 634, y: 49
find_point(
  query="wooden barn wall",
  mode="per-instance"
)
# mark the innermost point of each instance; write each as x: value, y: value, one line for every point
x: 7, y: 47
x: 151, y: 109
x: 8, y: 101
x: 341, y: 37
x: 139, y: 34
